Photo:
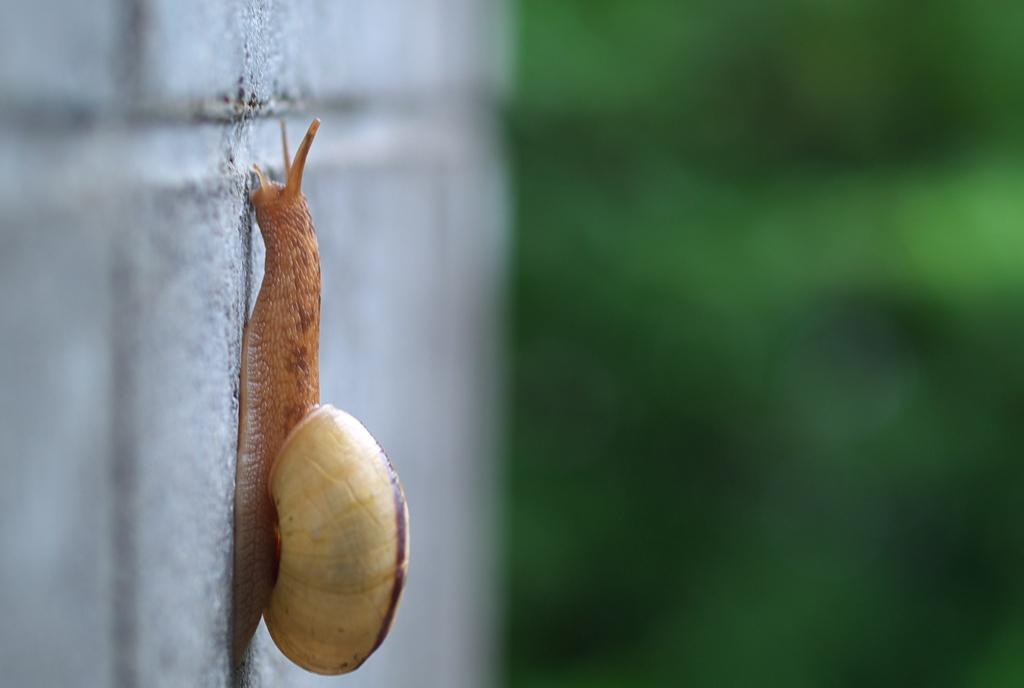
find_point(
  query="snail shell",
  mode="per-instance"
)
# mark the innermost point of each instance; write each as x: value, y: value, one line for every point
x: 344, y: 543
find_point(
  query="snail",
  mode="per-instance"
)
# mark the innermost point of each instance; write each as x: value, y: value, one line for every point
x: 320, y: 525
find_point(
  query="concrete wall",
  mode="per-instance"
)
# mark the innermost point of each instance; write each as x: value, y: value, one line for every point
x: 128, y: 259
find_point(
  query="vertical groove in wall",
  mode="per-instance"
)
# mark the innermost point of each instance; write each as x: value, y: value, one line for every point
x: 123, y: 432
x: 123, y: 466
x: 129, y: 64
x: 245, y: 230
x: 241, y: 676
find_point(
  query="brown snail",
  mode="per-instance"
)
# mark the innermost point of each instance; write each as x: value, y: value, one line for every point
x: 321, y: 534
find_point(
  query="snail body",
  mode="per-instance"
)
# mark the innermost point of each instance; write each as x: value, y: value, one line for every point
x: 321, y: 536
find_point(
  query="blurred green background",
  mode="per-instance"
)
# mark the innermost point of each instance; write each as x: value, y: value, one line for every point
x: 767, y: 344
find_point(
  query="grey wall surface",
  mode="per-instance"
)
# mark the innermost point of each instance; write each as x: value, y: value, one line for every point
x: 128, y: 259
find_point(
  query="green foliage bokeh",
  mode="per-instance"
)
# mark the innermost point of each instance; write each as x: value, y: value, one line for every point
x: 768, y: 309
